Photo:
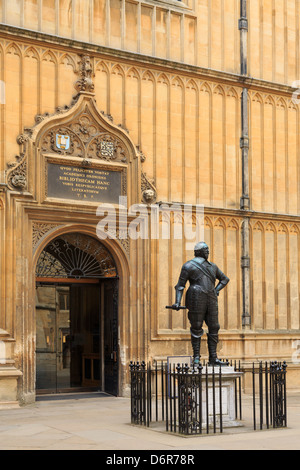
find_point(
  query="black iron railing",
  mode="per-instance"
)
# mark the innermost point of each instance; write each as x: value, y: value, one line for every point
x: 269, y: 395
x: 190, y: 400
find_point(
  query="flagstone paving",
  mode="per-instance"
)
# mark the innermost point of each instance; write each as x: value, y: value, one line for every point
x: 103, y: 422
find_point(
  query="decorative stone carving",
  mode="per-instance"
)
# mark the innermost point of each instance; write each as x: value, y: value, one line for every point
x: 22, y: 139
x: 39, y: 230
x: 107, y: 147
x: 82, y: 135
x: 148, y: 190
x: 86, y: 163
x: 76, y: 147
x: 85, y: 82
x: 149, y: 196
x: 17, y: 173
x: 19, y: 182
x: 87, y: 140
x: 40, y: 117
x: 108, y: 116
x: 124, y: 241
x: 17, y: 170
x: 141, y: 154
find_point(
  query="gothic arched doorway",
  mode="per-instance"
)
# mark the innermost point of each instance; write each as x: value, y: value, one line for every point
x: 76, y: 316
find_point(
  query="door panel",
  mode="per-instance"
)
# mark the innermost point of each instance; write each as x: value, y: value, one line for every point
x: 110, y: 314
x: 63, y: 339
x: 85, y: 336
x: 46, y: 338
x: 77, y: 337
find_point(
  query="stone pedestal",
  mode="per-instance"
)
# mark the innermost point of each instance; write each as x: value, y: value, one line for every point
x: 8, y: 387
x: 211, y: 397
x: 8, y: 373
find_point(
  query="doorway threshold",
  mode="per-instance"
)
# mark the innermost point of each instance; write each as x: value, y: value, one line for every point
x: 72, y: 396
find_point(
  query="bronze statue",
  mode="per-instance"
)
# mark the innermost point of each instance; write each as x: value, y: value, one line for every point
x: 201, y: 300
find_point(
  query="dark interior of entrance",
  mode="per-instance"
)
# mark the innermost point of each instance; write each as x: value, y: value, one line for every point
x: 76, y: 327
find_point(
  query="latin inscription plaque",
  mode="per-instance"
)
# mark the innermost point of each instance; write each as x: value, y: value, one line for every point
x: 84, y: 184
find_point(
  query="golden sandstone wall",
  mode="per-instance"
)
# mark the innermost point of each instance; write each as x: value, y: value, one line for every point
x: 170, y: 73
x: 198, y: 32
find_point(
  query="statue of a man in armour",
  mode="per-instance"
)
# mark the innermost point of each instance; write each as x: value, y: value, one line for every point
x: 202, y: 300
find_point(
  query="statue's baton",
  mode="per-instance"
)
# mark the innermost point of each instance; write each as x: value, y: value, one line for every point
x: 172, y: 308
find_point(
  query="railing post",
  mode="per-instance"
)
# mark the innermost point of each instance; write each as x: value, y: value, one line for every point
x: 156, y: 393
x: 261, y: 408
x: 271, y: 393
x: 220, y: 398
x: 131, y: 391
x: 240, y: 391
x: 214, y: 397
x: 162, y: 392
x: 167, y: 392
x: 186, y: 401
x: 207, y: 408
x: 178, y: 370
x: 143, y: 393
x: 285, y: 404
x: 253, y: 392
x: 148, y: 375
x: 267, y: 395
x: 200, y: 396
x: 171, y: 397
x: 174, y: 397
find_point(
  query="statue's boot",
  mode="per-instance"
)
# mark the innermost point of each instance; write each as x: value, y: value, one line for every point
x: 196, y: 342
x: 212, y: 341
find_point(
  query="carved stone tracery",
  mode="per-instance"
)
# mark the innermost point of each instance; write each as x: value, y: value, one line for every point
x: 88, y: 140
x: 39, y: 230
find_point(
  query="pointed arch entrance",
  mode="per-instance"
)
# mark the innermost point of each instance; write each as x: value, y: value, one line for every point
x: 76, y: 316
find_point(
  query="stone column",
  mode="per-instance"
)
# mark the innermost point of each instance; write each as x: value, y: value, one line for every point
x: 243, y: 27
x: 244, y: 144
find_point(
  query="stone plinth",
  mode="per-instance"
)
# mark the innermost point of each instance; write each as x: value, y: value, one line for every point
x: 211, y: 395
x: 8, y: 373
x: 8, y: 387
x: 204, y: 397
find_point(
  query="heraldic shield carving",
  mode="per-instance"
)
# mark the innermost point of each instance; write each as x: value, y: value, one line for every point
x: 81, y: 136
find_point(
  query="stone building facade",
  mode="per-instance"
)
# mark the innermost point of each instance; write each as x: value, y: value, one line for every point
x: 167, y: 103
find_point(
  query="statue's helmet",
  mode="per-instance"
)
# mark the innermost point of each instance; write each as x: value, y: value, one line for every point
x: 199, y: 246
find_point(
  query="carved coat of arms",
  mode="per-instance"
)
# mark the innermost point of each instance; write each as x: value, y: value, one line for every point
x: 62, y: 142
x: 107, y: 149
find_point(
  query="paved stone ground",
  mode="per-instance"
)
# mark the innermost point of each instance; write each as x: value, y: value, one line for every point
x: 103, y: 422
